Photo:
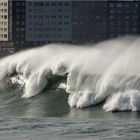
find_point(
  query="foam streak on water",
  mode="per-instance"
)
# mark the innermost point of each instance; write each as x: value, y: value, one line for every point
x: 106, y: 71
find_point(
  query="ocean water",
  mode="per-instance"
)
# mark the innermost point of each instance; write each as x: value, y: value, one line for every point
x: 48, y: 116
x: 60, y: 91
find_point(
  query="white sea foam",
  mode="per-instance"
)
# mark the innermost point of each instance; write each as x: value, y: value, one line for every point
x: 109, y: 71
x: 128, y: 100
x: 63, y: 86
x: 18, y: 80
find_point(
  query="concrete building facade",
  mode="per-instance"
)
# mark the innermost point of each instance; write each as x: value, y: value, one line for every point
x: 123, y: 18
x: 94, y: 21
x: 4, y: 19
x: 48, y: 21
x: 89, y: 21
x: 6, y: 44
x: 25, y: 23
x: 18, y: 23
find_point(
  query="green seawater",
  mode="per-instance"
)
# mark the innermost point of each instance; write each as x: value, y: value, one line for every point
x: 48, y: 116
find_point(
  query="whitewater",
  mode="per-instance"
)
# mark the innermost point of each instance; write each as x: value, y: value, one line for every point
x: 106, y: 72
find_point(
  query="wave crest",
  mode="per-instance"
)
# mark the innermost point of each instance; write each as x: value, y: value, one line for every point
x: 93, y: 73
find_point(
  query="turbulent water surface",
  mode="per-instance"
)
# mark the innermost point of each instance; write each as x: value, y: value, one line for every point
x: 48, y: 116
x: 81, y: 92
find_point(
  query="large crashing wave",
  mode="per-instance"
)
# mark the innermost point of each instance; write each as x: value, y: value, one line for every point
x: 108, y: 71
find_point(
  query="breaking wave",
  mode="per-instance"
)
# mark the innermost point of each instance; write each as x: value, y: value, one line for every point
x: 108, y: 71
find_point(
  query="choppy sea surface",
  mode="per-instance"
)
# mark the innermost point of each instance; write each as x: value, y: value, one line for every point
x: 48, y: 116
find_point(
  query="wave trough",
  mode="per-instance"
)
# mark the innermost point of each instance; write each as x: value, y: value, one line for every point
x: 108, y: 71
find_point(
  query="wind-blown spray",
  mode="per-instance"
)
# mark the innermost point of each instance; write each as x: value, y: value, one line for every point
x: 109, y: 71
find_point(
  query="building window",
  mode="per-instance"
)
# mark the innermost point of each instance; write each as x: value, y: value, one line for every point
x: 17, y: 23
x: 67, y: 4
x: 23, y: 4
x: 47, y: 35
x: 66, y: 16
x: 66, y: 10
x: 29, y: 3
x: 111, y: 11
x: 126, y: 17
x: 22, y: 23
x: 5, y: 35
x: 66, y: 23
x: 136, y: 5
x: 59, y: 35
x: 59, y: 22
x: 53, y: 16
x: 5, y: 23
x: 47, y: 29
x: 29, y: 29
x: 119, y: 5
x: 17, y: 16
x: 17, y: 29
x: 66, y: 29
x: 22, y: 10
x: 128, y: 5
x: 17, y: 35
x: 53, y: 4
x: 29, y: 10
x: 53, y: 29
x: 38, y: 17
x: 97, y: 17
x: 5, y: 4
x: 134, y: 30
x: 38, y: 4
x: 47, y: 16
x: 47, y: 4
x: 60, y: 16
x: 5, y: 17
x: 59, y: 29
x: 59, y: 10
x: 5, y: 10
x: 17, y: 10
x: 18, y: 3
x: 22, y: 29
x: 135, y: 17
x: 60, y: 4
